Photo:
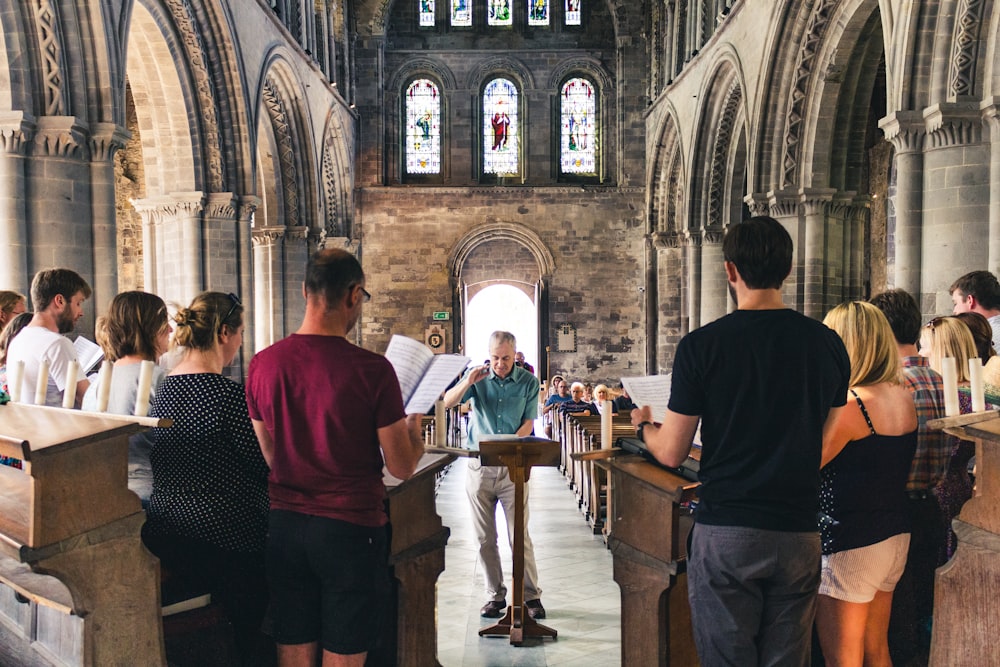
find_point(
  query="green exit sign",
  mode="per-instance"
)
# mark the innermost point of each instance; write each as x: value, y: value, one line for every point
x: 441, y: 315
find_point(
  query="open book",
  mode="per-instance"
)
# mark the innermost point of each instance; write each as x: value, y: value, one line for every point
x: 89, y: 355
x: 651, y: 390
x: 423, y: 375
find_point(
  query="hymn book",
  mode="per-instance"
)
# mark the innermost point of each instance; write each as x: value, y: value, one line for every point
x: 89, y: 354
x: 423, y: 375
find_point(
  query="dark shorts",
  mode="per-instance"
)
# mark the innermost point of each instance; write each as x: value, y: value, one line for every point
x: 329, y: 581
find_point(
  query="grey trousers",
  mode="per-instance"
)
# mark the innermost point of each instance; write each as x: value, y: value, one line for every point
x: 753, y: 595
x: 485, y: 485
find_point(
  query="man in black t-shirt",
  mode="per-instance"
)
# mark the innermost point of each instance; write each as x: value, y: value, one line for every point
x: 763, y: 381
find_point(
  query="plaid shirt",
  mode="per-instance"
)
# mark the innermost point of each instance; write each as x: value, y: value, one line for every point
x: 930, y: 462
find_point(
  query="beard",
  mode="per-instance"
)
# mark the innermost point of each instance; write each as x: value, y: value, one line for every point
x: 65, y: 320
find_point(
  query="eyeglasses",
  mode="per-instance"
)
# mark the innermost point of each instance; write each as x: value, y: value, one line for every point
x: 368, y: 296
x: 934, y: 322
x: 236, y: 304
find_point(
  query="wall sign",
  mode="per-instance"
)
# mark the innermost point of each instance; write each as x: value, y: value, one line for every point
x: 566, y: 338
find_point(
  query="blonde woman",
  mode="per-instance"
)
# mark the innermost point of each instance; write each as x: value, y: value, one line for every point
x: 12, y: 304
x: 601, y: 394
x: 867, y: 451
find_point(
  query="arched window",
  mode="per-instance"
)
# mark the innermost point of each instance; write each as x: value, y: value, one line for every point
x: 461, y: 13
x: 500, y: 128
x: 538, y: 12
x: 422, y: 108
x: 499, y: 12
x: 578, y: 145
x: 427, y: 12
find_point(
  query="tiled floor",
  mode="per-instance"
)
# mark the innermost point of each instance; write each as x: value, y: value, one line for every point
x: 581, y: 599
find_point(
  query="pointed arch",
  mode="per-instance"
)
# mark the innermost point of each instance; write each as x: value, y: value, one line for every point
x: 662, y: 214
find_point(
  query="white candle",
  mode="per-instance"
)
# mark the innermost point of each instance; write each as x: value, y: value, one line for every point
x: 142, y: 394
x: 606, y: 425
x: 949, y: 373
x: 440, y: 424
x: 15, y: 375
x: 42, y: 385
x: 977, y: 385
x: 104, y: 386
x: 69, y: 393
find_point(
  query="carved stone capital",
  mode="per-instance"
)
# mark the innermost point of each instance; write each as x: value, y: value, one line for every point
x: 713, y: 236
x: 17, y: 128
x: 816, y: 201
x: 340, y: 242
x: 157, y: 210
x: 990, y: 110
x: 266, y: 236
x: 905, y: 129
x: 663, y: 240
x: 248, y: 205
x: 220, y: 206
x: 106, y: 139
x: 953, y: 124
x: 842, y: 203
x: 758, y: 204
x: 60, y: 136
x: 783, y: 203
x: 298, y: 233
x: 692, y: 238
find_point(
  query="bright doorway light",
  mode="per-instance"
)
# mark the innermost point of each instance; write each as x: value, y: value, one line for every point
x: 506, y: 308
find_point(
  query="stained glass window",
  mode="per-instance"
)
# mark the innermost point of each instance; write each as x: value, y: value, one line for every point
x: 500, y: 127
x: 578, y: 110
x: 499, y: 13
x: 461, y: 12
x: 573, y: 12
x: 426, y: 13
x: 423, y: 128
x: 538, y: 12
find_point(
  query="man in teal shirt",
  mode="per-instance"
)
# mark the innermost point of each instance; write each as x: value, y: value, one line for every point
x: 504, y: 401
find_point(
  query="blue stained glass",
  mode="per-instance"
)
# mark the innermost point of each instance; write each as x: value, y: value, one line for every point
x: 500, y: 128
x: 578, y: 138
x: 426, y: 13
x: 461, y: 13
x: 423, y: 128
x: 499, y: 13
x: 573, y: 12
x: 538, y: 12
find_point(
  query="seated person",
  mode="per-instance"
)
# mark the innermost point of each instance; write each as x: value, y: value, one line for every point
x: 208, y: 513
x: 136, y: 329
x: 601, y: 394
x: 624, y: 403
x: 576, y: 406
x: 559, y: 394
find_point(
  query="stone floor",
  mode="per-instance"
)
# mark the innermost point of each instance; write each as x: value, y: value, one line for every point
x: 574, y: 570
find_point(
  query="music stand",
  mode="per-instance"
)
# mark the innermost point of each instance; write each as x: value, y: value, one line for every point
x: 519, y: 455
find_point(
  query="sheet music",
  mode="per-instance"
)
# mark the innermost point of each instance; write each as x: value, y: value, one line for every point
x: 410, y: 358
x: 442, y: 370
x: 651, y: 390
x: 88, y: 354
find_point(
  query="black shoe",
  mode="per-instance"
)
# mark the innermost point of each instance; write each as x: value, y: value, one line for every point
x: 535, y: 609
x: 493, y: 609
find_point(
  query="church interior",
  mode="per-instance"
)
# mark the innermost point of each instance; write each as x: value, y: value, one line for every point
x: 589, y: 154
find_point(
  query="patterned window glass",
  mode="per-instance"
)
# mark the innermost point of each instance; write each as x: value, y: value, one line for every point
x: 461, y: 13
x: 423, y: 128
x: 578, y: 154
x: 426, y: 13
x: 500, y: 127
x: 538, y: 12
x: 499, y: 13
x: 573, y: 12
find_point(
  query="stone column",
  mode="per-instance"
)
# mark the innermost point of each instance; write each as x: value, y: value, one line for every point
x: 815, y: 204
x: 16, y: 130
x: 220, y: 243
x: 991, y: 118
x: 105, y: 140
x: 857, y: 220
x: 665, y: 300
x: 267, y: 251
x: 714, y: 292
x: 906, y: 132
x: 244, y: 222
x: 784, y: 207
x: 296, y: 256
x: 172, y: 247
x: 692, y: 247
x: 838, y: 249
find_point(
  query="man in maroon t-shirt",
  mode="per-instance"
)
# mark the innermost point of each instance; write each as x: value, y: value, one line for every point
x: 326, y: 413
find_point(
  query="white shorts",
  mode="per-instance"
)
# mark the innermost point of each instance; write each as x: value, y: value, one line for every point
x: 856, y: 575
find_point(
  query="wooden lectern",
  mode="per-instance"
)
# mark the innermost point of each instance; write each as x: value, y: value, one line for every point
x: 966, y: 588
x: 69, y: 514
x: 519, y: 455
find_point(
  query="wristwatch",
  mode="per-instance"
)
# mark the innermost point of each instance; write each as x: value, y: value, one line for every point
x: 638, y: 430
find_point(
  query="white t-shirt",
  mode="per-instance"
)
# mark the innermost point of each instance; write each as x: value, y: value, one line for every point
x: 31, y: 346
x: 995, y: 323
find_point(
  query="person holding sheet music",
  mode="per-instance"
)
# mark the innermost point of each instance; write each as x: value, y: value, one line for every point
x: 136, y: 328
x: 207, y: 514
x: 57, y: 296
x: 327, y: 414
x: 763, y: 381
x: 504, y: 401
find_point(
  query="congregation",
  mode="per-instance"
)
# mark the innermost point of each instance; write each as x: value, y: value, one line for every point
x: 888, y: 490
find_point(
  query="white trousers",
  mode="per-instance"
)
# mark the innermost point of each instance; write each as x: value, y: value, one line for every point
x: 485, y: 485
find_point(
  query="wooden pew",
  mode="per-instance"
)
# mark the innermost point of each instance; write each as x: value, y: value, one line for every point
x: 649, y: 562
x: 585, y: 436
x: 70, y: 546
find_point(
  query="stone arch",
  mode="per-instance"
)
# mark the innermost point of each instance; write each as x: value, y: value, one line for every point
x: 427, y: 66
x: 662, y: 213
x: 590, y: 67
x: 16, y: 92
x: 337, y: 178
x: 395, y: 92
x: 505, y: 66
x: 511, y: 231
x: 724, y: 99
